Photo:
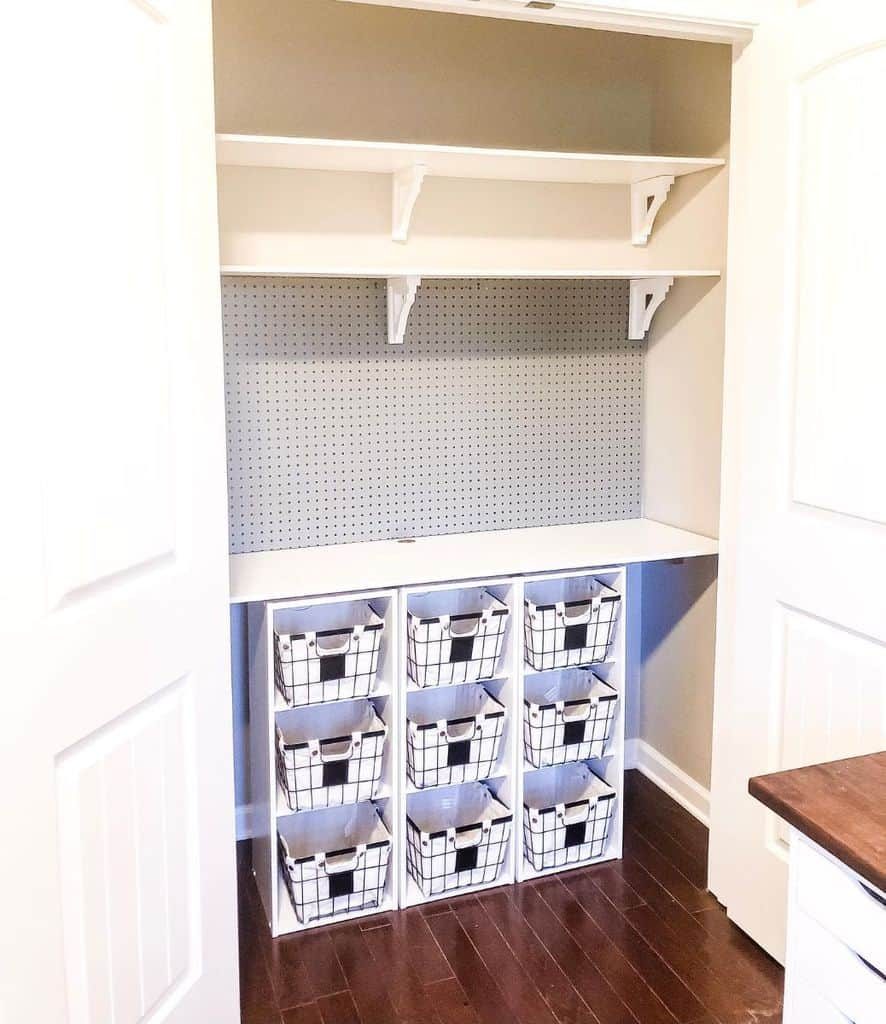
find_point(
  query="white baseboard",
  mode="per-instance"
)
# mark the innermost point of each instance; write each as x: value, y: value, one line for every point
x: 244, y: 821
x: 688, y: 793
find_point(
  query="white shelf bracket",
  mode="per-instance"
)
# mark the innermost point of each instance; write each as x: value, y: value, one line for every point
x: 407, y: 185
x: 647, y: 294
x: 647, y: 198
x: 401, y: 297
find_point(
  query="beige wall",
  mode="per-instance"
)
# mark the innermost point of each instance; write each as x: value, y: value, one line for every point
x: 325, y: 69
x: 320, y: 68
x: 682, y: 420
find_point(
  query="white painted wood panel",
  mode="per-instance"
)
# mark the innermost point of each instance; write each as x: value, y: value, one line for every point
x: 840, y: 418
x: 124, y: 873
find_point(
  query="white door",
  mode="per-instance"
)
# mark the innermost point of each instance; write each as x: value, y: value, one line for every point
x: 118, y: 825
x: 801, y: 663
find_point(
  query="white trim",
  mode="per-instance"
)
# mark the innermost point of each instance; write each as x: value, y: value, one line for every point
x: 688, y: 793
x: 680, y: 19
x: 244, y: 821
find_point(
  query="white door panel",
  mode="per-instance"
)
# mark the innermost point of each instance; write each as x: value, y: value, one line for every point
x: 801, y: 672
x: 118, y: 851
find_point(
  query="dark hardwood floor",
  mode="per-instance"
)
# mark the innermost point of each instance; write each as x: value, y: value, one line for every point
x: 636, y: 941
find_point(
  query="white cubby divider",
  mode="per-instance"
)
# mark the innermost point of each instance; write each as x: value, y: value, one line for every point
x: 390, y: 701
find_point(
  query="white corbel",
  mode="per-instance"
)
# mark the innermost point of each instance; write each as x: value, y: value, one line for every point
x: 647, y: 294
x: 405, y: 191
x: 647, y: 198
x: 401, y: 297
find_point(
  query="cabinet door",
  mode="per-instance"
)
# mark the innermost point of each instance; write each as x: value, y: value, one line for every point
x: 801, y: 661
x: 118, y: 850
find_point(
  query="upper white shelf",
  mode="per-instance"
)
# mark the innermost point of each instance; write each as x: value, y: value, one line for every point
x: 452, y: 161
x: 375, y: 565
x: 649, y: 177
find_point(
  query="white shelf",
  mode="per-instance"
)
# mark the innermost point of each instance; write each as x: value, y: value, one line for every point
x: 452, y: 161
x: 649, y: 178
x: 375, y: 565
x: 540, y: 274
x: 385, y: 792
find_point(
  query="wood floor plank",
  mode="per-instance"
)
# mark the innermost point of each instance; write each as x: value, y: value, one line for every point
x: 317, y: 952
x: 692, y: 897
x: 746, y: 977
x: 453, y: 1005
x: 586, y: 978
x: 615, y: 886
x: 695, y: 869
x: 625, y: 974
x: 486, y: 997
x: 415, y: 935
x: 338, y: 1009
x: 555, y: 987
x: 394, y: 961
x: 515, y: 981
x: 645, y: 801
x: 621, y: 975
x: 307, y: 1013
x: 714, y: 989
x: 368, y: 985
x: 736, y: 945
x: 658, y: 976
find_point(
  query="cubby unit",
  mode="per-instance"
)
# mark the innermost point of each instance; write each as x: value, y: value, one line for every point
x: 588, y: 613
x: 329, y: 736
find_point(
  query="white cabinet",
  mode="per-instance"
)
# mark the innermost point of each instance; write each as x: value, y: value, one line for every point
x: 836, y: 962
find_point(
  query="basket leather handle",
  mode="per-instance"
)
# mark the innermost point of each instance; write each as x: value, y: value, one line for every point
x: 574, y: 618
x: 465, y: 627
x: 331, y: 645
x: 579, y: 713
x: 457, y: 732
x: 573, y: 815
x: 347, y: 861
x: 470, y: 836
x: 327, y: 751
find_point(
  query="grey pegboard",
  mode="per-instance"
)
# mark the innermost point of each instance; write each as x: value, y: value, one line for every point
x: 512, y: 403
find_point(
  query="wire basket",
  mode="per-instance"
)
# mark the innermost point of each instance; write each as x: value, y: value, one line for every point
x: 330, y: 755
x: 567, y: 716
x: 326, y: 652
x: 567, y: 811
x: 454, y: 636
x: 453, y: 735
x: 456, y: 838
x: 335, y: 861
x: 569, y: 622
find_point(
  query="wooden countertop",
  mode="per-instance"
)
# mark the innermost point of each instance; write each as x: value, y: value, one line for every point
x: 840, y: 805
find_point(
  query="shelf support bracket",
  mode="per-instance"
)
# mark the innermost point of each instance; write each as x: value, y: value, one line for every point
x: 647, y: 198
x: 401, y: 297
x: 647, y: 294
x: 407, y: 183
